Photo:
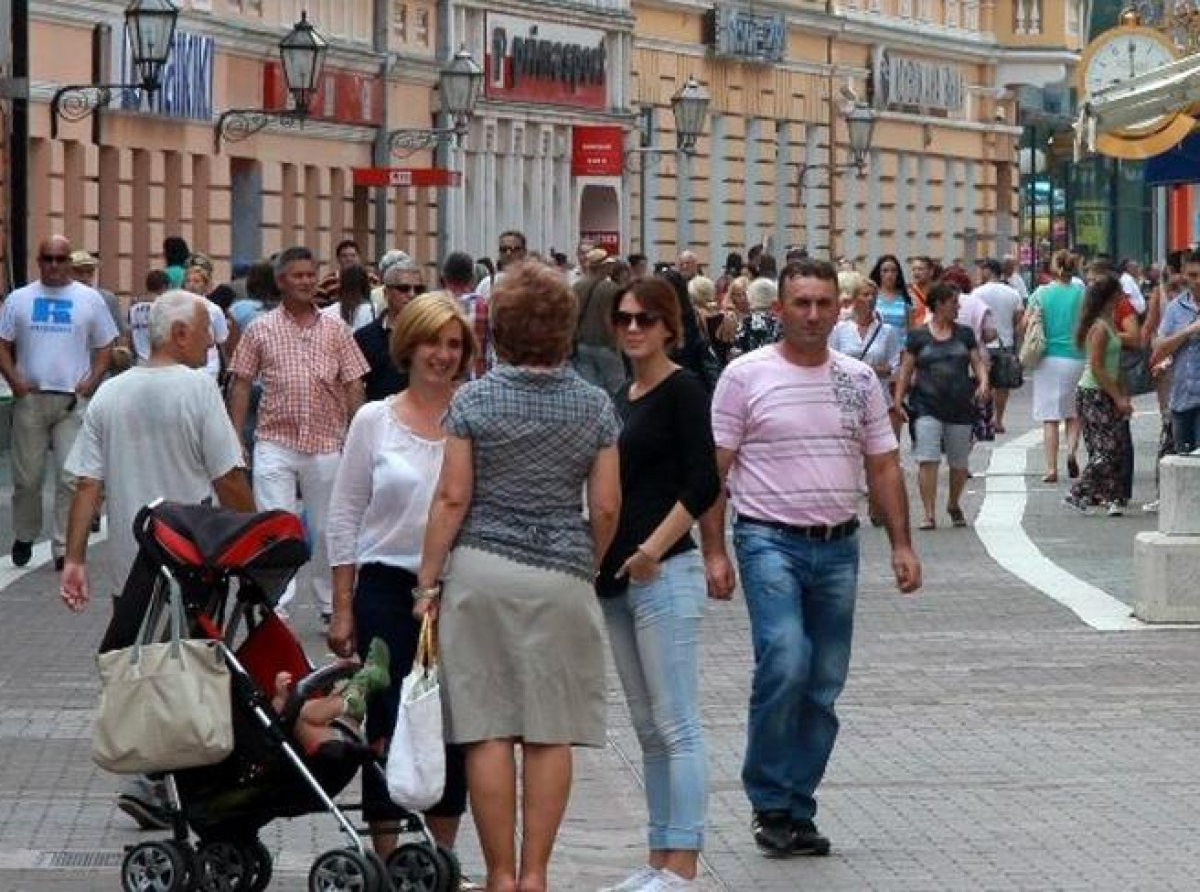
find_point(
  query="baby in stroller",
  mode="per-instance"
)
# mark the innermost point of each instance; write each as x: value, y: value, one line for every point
x: 317, y: 721
x: 296, y: 740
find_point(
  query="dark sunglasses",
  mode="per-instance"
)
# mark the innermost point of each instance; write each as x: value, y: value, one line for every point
x: 644, y: 320
x: 509, y: 249
x: 54, y: 258
x: 407, y: 289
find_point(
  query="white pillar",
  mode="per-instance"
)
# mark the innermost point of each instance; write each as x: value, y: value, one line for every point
x: 920, y: 205
x: 872, y: 202
x: 750, y: 184
x: 716, y: 190
x: 901, y: 246
x: 783, y: 185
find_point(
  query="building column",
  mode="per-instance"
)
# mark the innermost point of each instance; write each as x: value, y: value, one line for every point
x: 872, y: 206
x: 108, y: 213
x: 201, y: 199
x: 172, y: 194
x: 809, y: 188
x: 74, y: 191
x: 900, y: 240
x: 750, y: 184
x: 287, y: 204
x: 920, y: 206
x: 39, y: 201
x: 717, y: 190
x: 783, y: 186
x: 139, y: 245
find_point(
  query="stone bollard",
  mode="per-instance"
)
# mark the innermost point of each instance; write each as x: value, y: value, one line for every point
x: 1166, y: 564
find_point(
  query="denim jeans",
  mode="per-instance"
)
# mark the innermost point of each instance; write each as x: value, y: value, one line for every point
x: 800, y: 594
x: 653, y: 629
x: 1185, y: 427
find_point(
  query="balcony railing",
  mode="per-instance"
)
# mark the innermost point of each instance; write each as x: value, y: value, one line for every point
x: 1027, y: 16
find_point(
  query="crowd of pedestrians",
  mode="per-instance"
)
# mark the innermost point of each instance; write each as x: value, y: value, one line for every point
x: 523, y: 450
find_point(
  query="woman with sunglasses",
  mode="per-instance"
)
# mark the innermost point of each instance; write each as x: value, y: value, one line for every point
x: 401, y: 283
x: 651, y: 581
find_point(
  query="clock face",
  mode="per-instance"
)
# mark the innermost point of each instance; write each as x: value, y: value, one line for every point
x: 1122, y: 57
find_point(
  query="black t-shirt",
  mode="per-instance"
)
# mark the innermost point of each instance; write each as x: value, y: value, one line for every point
x: 667, y: 456
x: 942, y: 385
x: 384, y: 379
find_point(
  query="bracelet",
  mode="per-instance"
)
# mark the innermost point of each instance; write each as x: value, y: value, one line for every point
x: 427, y: 593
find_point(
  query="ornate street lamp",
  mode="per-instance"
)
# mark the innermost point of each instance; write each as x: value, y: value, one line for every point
x: 302, y: 52
x: 860, y: 127
x: 689, y: 106
x: 459, y: 84
x: 150, y: 32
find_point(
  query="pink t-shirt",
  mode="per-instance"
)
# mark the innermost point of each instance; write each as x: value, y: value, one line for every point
x: 800, y: 434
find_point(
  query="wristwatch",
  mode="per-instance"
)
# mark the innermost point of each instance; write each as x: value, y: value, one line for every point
x: 427, y: 593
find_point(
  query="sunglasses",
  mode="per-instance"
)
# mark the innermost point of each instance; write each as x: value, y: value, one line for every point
x: 509, y: 249
x: 644, y: 320
x: 54, y: 258
x: 406, y: 289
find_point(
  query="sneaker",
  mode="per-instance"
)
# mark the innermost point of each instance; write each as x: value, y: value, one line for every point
x: 635, y: 882
x: 773, y: 833
x: 808, y: 840
x: 21, y: 552
x: 1077, y: 504
x: 666, y: 881
x: 145, y: 802
x: 1116, y: 509
x: 1151, y: 507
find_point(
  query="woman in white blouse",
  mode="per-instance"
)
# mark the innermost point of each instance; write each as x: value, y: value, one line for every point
x: 377, y: 515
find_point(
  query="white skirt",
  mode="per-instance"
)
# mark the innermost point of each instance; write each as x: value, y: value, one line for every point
x: 1054, y: 382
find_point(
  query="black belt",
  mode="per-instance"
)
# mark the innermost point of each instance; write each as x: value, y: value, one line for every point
x: 820, y: 533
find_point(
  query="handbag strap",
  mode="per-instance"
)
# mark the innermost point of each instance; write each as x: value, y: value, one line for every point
x: 427, y: 647
x: 871, y: 340
x: 175, y: 617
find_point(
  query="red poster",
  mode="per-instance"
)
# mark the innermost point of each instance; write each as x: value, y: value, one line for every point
x: 597, y: 151
x: 547, y: 63
x: 347, y: 97
x: 609, y: 240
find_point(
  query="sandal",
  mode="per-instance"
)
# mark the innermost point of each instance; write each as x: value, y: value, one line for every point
x: 957, y: 518
x: 927, y: 524
x: 1050, y: 478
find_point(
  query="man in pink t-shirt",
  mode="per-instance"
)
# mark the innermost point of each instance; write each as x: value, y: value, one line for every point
x: 795, y: 426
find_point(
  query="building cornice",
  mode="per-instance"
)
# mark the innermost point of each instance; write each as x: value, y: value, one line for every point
x: 580, y: 14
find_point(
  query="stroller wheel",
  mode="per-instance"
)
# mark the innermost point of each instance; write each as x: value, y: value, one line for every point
x: 159, y: 866
x: 417, y: 867
x: 453, y: 869
x: 258, y: 857
x: 224, y: 867
x: 343, y: 870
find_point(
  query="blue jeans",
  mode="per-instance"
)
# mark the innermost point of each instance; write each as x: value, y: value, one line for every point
x: 800, y: 595
x: 654, y: 628
x: 1185, y: 428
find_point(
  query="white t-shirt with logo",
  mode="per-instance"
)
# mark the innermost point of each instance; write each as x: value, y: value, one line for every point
x: 139, y: 329
x: 153, y: 432
x: 54, y: 331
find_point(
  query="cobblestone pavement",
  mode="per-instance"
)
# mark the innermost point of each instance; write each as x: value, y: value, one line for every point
x: 990, y: 740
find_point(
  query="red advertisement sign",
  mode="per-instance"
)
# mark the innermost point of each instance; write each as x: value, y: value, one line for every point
x: 597, y: 151
x: 609, y: 240
x: 405, y: 176
x: 545, y: 63
x: 346, y: 97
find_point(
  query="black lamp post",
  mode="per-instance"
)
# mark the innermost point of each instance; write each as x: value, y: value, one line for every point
x: 860, y: 127
x: 302, y: 52
x: 150, y: 29
x: 459, y: 84
x: 689, y: 107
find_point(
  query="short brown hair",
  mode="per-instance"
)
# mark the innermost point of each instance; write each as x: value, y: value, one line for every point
x: 658, y: 297
x: 533, y: 314
x: 419, y: 323
x: 808, y: 269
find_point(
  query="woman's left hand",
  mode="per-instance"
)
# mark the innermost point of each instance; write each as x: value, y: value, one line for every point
x: 639, y: 568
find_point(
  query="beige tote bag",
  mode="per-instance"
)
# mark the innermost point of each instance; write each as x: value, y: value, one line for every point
x: 164, y: 706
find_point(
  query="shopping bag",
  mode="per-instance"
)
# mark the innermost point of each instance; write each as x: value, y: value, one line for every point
x: 1033, y: 345
x: 1135, y: 371
x: 164, y: 706
x: 416, y: 762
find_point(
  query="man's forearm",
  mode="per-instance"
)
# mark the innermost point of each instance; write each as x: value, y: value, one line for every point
x: 239, y: 404
x: 886, y: 483
x: 8, y: 368
x: 233, y: 491
x: 79, y: 519
x: 712, y: 526
x: 355, y: 394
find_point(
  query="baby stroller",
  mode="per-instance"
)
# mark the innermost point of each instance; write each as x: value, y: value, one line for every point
x: 231, y: 569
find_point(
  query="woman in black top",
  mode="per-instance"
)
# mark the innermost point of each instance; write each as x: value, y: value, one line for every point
x: 947, y: 374
x: 652, y: 579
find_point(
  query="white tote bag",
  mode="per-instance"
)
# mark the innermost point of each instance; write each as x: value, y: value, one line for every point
x: 163, y: 707
x: 416, y: 762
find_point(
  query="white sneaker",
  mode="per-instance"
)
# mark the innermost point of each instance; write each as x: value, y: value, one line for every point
x: 670, y: 882
x: 638, y: 880
x: 1115, y: 509
x: 1151, y: 507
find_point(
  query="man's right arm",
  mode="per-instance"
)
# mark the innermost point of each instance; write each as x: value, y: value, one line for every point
x: 1166, y: 345
x: 74, y: 588
x: 8, y: 368
x: 718, y: 569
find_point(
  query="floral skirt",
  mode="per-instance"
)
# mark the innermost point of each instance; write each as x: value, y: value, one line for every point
x: 1105, y: 435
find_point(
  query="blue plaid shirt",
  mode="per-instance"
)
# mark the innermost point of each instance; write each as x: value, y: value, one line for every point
x: 1185, y: 368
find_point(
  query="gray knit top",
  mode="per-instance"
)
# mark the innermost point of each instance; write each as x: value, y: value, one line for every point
x: 534, y: 435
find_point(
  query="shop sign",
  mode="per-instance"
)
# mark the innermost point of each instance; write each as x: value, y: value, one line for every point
x: 1091, y: 224
x: 399, y: 177
x: 751, y: 35
x: 187, y: 78
x: 545, y: 62
x: 597, y: 151
x: 608, y: 239
x: 902, y: 82
x: 343, y: 97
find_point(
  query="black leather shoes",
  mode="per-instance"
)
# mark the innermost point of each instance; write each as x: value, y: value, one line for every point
x: 21, y: 552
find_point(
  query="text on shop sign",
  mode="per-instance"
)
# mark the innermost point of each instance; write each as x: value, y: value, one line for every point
x: 904, y: 82
x: 740, y: 33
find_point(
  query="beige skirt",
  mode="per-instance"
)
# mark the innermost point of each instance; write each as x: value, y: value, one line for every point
x: 522, y: 653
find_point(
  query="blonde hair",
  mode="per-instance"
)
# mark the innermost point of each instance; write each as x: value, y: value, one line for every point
x: 761, y: 293
x: 741, y: 282
x: 419, y: 323
x: 702, y: 291
x: 849, y: 282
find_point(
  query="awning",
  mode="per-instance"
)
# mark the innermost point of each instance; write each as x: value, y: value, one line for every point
x: 1175, y: 166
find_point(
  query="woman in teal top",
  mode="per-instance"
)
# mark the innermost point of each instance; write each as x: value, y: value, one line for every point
x: 1103, y: 403
x: 1057, y: 374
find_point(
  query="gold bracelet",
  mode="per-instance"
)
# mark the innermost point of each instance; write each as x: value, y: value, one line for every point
x: 430, y: 593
